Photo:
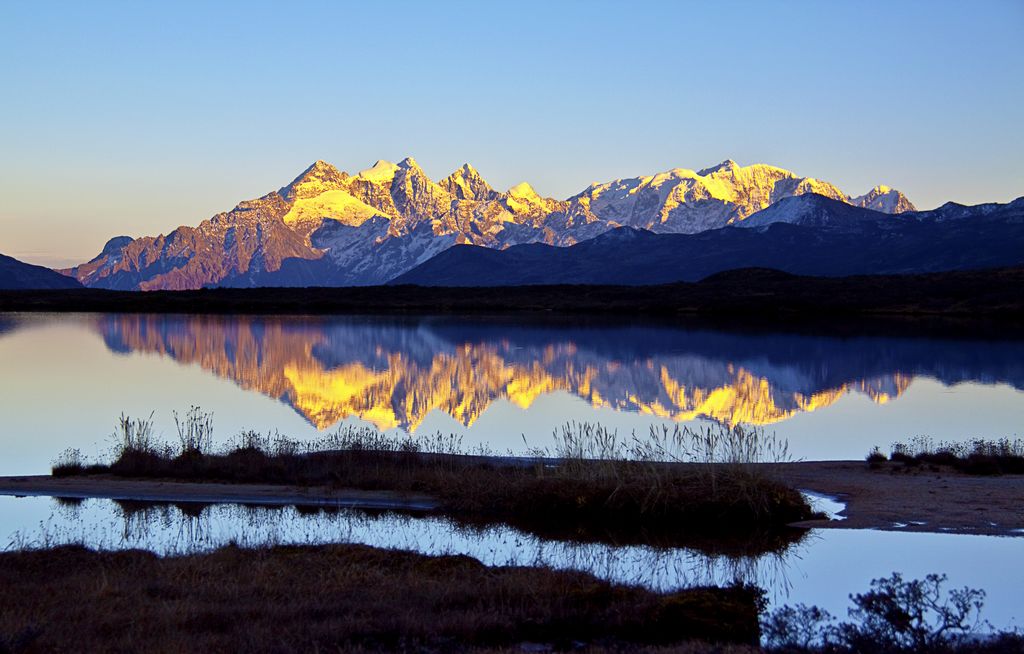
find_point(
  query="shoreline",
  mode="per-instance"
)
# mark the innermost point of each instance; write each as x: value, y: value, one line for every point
x: 891, y: 498
x: 886, y: 498
x: 992, y: 294
x: 211, y: 492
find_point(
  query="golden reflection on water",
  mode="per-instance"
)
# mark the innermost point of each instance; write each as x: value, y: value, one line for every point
x: 394, y: 376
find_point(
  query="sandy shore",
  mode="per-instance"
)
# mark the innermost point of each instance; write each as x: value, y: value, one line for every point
x: 894, y: 499
x: 887, y: 498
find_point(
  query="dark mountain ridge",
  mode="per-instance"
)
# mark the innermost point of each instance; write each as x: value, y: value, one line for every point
x: 805, y: 235
x: 18, y: 275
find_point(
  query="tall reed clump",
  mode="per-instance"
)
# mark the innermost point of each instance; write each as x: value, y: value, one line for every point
x: 674, y: 478
x: 195, y: 432
x: 137, y: 451
x: 135, y: 445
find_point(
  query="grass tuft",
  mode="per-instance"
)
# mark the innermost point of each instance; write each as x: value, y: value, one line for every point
x: 974, y: 457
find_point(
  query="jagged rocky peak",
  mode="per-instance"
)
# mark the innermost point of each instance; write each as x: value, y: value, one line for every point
x: 409, y: 164
x: 885, y: 199
x: 726, y: 166
x: 523, y: 201
x: 318, y: 178
x: 417, y: 199
x: 467, y: 184
x: 408, y: 169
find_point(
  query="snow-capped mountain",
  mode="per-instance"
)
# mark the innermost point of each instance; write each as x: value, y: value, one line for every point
x: 330, y: 228
x: 884, y: 199
x: 807, y: 235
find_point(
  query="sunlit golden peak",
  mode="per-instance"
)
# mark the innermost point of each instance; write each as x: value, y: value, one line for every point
x: 319, y: 168
x: 408, y: 163
x: 523, y: 190
x: 382, y: 170
x: 318, y: 178
x: 726, y: 165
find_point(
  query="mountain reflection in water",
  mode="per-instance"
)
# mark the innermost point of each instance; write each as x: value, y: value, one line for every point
x: 393, y: 372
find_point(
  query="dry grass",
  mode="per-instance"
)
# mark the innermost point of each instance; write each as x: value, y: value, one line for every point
x: 974, y: 457
x: 335, y: 598
x: 677, y: 487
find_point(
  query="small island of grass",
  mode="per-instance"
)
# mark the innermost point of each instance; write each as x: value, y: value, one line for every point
x: 594, y: 486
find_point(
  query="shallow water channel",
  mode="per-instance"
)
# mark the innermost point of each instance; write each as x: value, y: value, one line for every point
x: 822, y: 569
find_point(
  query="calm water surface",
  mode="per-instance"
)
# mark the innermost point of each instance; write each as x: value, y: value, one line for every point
x: 65, y: 379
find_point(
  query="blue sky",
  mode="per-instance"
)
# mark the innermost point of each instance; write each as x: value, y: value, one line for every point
x: 133, y: 118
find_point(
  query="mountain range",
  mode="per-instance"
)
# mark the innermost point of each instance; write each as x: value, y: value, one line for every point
x: 808, y: 235
x: 330, y: 228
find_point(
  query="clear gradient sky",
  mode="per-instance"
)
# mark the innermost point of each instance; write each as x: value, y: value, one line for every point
x: 133, y: 118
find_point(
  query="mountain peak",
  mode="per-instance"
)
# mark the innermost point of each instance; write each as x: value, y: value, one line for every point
x: 116, y: 244
x: 319, y: 168
x: 315, y: 179
x: 381, y: 171
x: 726, y: 166
x: 885, y: 199
x: 467, y: 184
x: 466, y: 171
x: 523, y: 190
x: 409, y: 163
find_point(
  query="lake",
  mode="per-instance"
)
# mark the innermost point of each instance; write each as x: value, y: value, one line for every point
x: 505, y: 385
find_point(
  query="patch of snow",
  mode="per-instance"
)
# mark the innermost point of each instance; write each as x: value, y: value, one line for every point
x: 382, y: 171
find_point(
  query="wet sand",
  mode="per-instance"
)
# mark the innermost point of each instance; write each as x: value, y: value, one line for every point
x: 897, y: 499
x: 888, y: 498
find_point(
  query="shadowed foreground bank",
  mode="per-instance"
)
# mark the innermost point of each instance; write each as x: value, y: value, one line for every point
x: 990, y: 293
x: 339, y: 597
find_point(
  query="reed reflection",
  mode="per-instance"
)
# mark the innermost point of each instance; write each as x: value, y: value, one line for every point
x: 180, y: 529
